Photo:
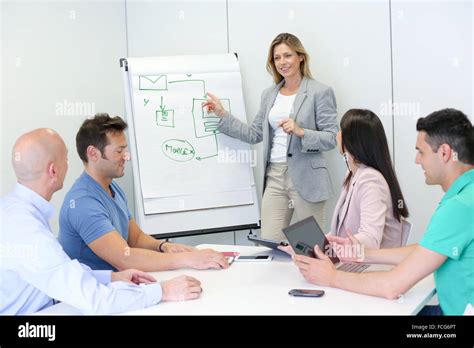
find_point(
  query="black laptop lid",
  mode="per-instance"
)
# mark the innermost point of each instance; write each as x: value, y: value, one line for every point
x: 304, y: 235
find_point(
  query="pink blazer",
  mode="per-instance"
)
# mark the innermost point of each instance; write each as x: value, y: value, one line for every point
x: 365, y: 209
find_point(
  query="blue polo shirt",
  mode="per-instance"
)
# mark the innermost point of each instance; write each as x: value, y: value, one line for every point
x: 88, y: 212
x: 451, y: 233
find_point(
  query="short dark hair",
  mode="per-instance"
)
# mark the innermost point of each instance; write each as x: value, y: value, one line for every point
x: 364, y: 137
x: 452, y: 127
x: 94, y: 132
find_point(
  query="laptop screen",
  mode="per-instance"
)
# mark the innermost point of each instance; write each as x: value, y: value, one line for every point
x: 304, y: 235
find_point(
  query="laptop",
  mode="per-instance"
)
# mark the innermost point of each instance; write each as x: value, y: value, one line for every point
x: 305, y: 234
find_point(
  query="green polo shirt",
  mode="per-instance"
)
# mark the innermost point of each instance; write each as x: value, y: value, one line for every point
x: 451, y: 233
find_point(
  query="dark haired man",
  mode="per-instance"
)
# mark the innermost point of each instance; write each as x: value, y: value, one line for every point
x: 95, y: 224
x: 445, y: 145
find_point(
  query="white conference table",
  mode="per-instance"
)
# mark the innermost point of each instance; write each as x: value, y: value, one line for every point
x: 261, y: 288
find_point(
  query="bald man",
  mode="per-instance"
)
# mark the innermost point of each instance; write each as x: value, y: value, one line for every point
x: 35, y: 271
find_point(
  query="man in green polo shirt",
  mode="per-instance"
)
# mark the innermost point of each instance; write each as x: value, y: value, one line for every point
x: 445, y: 145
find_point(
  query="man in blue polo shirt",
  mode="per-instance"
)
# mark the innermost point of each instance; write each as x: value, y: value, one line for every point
x: 95, y: 224
x: 445, y: 145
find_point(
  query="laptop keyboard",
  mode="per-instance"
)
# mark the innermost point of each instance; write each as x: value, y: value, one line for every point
x: 353, y: 267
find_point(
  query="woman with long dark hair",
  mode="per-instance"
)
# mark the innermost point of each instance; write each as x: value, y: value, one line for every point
x: 371, y: 205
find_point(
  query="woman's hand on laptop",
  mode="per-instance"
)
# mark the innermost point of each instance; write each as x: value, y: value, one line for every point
x: 320, y: 271
x: 347, y: 249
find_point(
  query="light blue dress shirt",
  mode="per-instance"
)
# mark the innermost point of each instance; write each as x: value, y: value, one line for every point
x: 34, y: 269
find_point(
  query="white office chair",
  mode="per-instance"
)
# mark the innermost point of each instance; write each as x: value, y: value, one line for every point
x: 406, y: 229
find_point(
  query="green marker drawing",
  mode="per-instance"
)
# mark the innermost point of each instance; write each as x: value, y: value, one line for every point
x: 151, y: 80
x: 146, y: 101
x: 201, y: 81
x: 181, y: 150
x: 152, y: 83
x: 162, y: 108
x: 178, y: 150
x: 189, y: 75
x: 217, y: 150
x: 164, y: 117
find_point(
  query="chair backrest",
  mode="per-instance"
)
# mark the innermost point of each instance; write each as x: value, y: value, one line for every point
x: 406, y: 229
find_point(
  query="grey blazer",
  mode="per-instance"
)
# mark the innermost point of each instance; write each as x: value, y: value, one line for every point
x: 315, y: 111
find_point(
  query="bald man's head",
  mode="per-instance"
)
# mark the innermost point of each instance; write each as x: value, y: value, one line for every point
x: 35, y: 151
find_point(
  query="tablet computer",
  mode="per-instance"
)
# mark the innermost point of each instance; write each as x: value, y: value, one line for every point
x: 272, y: 244
x: 304, y: 235
x: 307, y: 233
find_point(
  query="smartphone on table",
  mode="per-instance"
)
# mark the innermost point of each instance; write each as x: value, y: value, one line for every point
x: 306, y: 293
x: 253, y: 258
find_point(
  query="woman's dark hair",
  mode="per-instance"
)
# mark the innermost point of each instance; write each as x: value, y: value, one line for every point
x: 364, y: 137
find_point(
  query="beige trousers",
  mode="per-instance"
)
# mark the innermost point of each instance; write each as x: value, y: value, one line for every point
x: 280, y: 201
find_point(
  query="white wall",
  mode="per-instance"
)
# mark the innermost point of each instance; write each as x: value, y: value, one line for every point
x: 68, y: 51
x: 432, y: 65
x: 54, y: 52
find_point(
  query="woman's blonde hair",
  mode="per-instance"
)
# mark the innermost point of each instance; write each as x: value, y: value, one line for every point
x: 295, y: 44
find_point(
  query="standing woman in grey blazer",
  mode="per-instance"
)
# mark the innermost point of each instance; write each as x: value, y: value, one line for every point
x: 297, y: 123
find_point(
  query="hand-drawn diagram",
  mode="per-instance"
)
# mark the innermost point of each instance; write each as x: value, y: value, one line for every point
x: 153, y: 83
x: 164, y: 117
x: 204, y: 124
x: 178, y: 150
x: 183, y: 161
